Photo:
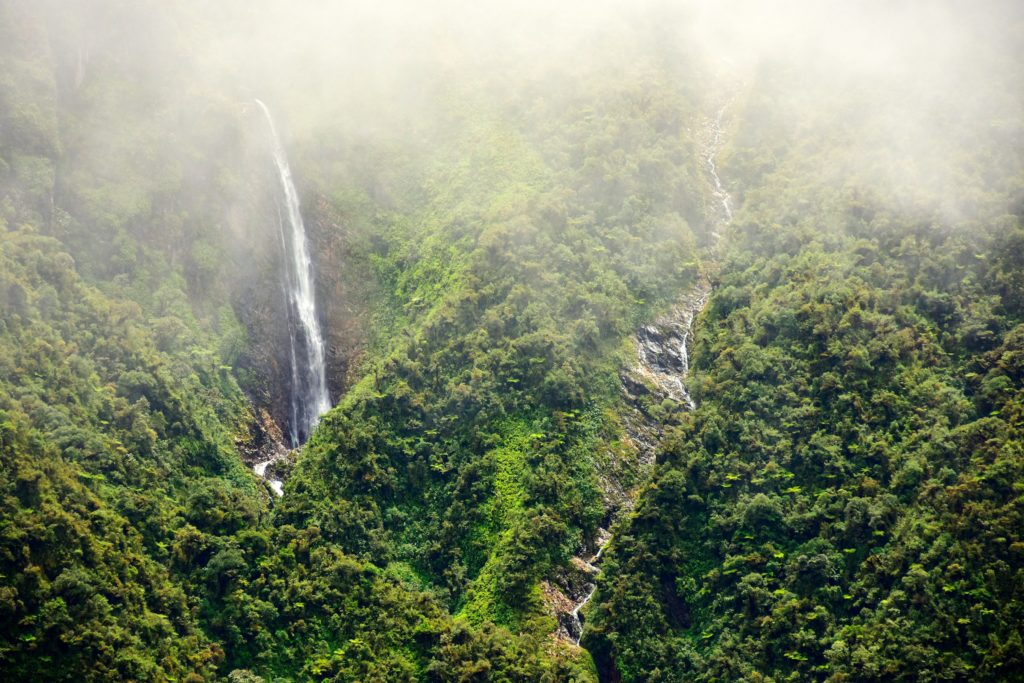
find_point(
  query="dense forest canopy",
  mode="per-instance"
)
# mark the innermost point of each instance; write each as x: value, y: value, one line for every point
x: 666, y: 341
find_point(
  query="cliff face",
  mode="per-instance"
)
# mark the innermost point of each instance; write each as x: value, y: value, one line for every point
x: 346, y: 290
x: 344, y: 285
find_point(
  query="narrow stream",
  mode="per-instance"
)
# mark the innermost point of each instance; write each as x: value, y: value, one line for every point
x: 711, y: 159
x: 663, y: 350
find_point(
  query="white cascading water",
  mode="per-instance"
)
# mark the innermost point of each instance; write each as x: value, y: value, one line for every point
x: 690, y: 312
x: 669, y: 376
x: 276, y: 485
x: 310, y: 398
x: 711, y: 159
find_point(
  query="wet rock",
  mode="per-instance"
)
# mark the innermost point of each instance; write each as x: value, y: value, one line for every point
x: 263, y: 441
x: 663, y: 356
x: 573, y: 587
x: 663, y: 367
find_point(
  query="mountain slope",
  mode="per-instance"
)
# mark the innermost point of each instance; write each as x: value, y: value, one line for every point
x: 844, y: 504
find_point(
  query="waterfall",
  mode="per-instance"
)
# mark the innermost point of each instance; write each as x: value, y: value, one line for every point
x: 309, y: 395
x: 571, y: 625
x: 710, y: 159
x: 663, y: 349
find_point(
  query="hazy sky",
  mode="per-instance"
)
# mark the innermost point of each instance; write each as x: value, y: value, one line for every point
x: 923, y: 69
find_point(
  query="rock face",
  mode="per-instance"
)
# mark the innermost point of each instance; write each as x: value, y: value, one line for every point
x: 660, y: 348
x: 663, y: 353
x: 663, y: 364
x: 309, y: 395
x: 264, y: 440
x: 344, y: 289
x: 263, y: 448
x: 576, y: 586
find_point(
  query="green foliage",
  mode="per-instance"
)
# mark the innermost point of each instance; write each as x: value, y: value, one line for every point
x: 99, y: 441
x: 470, y: 449
x: 462, y: 468
x: 844, y: 504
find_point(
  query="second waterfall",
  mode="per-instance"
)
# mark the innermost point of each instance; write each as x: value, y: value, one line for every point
x: 309, y: 394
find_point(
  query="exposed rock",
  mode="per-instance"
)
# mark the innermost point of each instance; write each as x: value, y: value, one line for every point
x: 573, y: 588
x: 557, y: 601
x: 663, y: 366
x: 345, y: 287
x: 663, y: 350
x: 263, y: 448
x: 663, y: 363
x: 263, y: 441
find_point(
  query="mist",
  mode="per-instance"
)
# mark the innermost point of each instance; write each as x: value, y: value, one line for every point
x: 600, y: 340
x: 913, y: 76
x: 914, y: 109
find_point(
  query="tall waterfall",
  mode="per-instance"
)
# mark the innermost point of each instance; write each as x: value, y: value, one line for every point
x: 309, y: 397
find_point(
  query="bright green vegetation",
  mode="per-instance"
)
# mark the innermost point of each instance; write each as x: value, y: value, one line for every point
x: 845, y: 503
x: 461, y: 468
x: 111, y: 450
x: 470, y: 446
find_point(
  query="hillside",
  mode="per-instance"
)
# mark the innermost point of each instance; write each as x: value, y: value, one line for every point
x: 660, y: 343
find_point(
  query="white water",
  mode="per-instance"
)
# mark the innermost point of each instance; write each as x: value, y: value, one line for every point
x: 672, y: 384
x: 581, y: 605
x: 260, y: 469
x: 671, y: 380
x: 594, y: 571
x: 575, y: 630
x: 689, y: 314
x: 309, y: 396
x: 710, y: 159
x: 666, y: 363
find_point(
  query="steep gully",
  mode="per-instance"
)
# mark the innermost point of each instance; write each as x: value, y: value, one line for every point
x: 309, y: 393
x: 662, y: 369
